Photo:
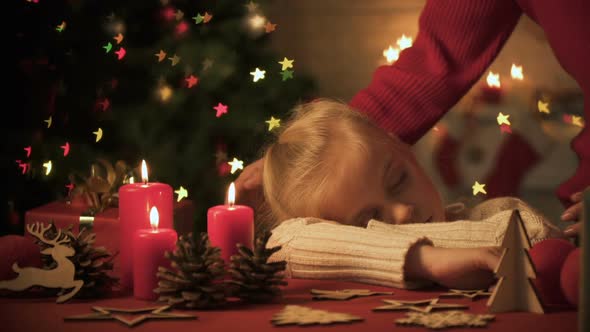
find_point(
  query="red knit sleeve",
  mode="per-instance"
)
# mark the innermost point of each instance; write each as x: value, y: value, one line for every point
x: 456, y: 42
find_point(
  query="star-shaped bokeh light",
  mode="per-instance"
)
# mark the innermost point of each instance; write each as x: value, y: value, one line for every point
x: 258, y: 74
x: 286, y: 63
x: 48, y: 166
x: 273, y: 123
x: 503, y: 119
x: 221, y: 109
x: 543, y: 107
x: 182, y: 193
x: 478, y: 188
x: 235, y: 165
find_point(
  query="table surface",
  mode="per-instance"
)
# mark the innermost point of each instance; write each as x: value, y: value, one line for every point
x: 43, y: 314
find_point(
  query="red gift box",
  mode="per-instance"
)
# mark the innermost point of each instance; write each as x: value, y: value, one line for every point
x: 105, y: 224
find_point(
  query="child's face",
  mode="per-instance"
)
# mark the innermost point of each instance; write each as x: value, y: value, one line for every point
x: 387, y: 185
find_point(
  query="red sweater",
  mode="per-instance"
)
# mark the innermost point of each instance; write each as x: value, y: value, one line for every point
x: 457, y: 41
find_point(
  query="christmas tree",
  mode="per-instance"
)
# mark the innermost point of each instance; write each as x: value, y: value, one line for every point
x: 515, y: 291
x: 185, y: 85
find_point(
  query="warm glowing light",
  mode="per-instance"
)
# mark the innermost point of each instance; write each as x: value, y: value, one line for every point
x: 404, y: 42
x: 165, y: 93
x: 48, y: 165
x: 479, y: 188
x: 257, y: 21
x: 144, y: 173
x: 516, y: 72
x: 543, y: 107
x: 154, y: 218
x: 391, y: 54
x: 132, y: 179
x: 231, y: 194
x: 493, y: 80
x: 258, y: 74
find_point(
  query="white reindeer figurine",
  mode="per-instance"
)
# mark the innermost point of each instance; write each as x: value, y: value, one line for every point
x: 60, y: 277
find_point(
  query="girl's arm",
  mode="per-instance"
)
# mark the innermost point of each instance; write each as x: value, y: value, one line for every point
x: 487, y: 226
x: 320, y: 249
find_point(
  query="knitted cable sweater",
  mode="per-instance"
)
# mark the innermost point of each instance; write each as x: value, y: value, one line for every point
x: 321, y: 249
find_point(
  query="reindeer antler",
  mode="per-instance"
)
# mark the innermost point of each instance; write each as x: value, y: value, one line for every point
x: 38, y: 231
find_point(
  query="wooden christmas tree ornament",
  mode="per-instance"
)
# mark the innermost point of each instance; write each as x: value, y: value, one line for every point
x: 300, y: 315
x: 345, y: 294
x: 441, y: 320
x: 515, y: 291
x: 62, y: 276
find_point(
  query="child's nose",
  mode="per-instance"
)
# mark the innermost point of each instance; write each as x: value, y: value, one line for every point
x: 400, y: 213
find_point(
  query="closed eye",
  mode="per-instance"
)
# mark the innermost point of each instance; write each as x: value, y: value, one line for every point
x: 398, y: 185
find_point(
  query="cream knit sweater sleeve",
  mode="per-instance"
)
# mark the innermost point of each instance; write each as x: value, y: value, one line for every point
x: 320, y: 249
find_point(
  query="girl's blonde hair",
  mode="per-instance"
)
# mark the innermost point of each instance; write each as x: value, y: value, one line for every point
x: 298, y: 165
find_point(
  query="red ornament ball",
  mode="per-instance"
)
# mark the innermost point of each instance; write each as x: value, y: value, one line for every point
x: 548, y: 257
x: 570, y: 277
x: 16, y: 248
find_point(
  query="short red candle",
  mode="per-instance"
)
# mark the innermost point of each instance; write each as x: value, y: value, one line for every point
x: 135, y: 202
x: 149, y: 246
x: 228, y: 225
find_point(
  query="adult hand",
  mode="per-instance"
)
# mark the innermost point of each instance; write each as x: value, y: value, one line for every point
x: 459, y: 268
x: 249, y: 184
x: 573, y: 213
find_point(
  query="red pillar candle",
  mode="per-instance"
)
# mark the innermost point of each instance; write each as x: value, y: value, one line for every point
x: 135, y: 202
x: 228, y: 225
x: 149, y: 246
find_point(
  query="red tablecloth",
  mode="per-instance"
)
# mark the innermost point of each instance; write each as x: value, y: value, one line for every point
x: 33, y: 314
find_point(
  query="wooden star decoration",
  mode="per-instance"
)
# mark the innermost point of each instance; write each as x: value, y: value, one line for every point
x: 345, y: 294
x: 300, y: 315
x: 103, y: 313
x: 430, y: 304
x: 471, y: 294
x: 161, y: 56
x: 441, y: 320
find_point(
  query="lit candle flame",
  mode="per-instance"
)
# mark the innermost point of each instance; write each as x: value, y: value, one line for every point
x: 231, y: 194
x: 391, y: 54
x: 132, y: 180
x: 516, y: 72
x: 144, y: 173
x: 404, y: 42
x: 154, y: 218
x: 493, y: 80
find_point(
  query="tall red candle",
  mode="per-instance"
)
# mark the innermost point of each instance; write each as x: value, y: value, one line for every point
x: 149, y: 246
x: 135, y: 202
x: 228, y: 225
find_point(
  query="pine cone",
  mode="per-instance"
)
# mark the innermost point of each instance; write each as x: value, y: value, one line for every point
x: 195, y: 280
x: 92, y: 264
x: 253, y: 278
